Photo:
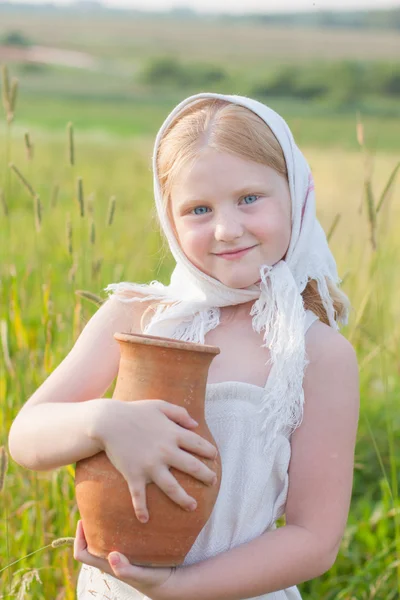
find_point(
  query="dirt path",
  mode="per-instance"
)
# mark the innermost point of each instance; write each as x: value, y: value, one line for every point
x: 48, y: 56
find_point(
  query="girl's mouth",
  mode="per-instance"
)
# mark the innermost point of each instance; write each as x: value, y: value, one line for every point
x: 235, y: 255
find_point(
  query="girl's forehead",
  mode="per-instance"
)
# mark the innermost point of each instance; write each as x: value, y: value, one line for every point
x: 224, y: 168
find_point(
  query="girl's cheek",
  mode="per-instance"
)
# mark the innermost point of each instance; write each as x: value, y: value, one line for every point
x: 194, y: 241
x: 275, y: 224
x: 199, y: 242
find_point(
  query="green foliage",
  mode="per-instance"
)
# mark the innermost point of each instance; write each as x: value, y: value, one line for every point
x: 15, y: 38
x: 169, y: 71
x: 52, y: 280
x: 340, y: 83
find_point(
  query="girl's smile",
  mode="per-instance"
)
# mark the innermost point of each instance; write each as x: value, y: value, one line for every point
x: 235, y: 254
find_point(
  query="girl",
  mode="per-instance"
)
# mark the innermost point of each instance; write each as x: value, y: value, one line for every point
x: 255, y: 277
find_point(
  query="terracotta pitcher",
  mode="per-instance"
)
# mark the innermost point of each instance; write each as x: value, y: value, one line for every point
x: 150, y: 367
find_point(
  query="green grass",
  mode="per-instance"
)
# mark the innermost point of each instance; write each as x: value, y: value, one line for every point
x: 41, y: 315
x: 132, y: 116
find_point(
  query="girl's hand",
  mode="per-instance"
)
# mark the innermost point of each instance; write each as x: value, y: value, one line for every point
x: 143, y: 439
x: 157, y: 583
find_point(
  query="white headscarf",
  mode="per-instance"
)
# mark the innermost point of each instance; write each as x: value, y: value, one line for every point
x: 278, y: 308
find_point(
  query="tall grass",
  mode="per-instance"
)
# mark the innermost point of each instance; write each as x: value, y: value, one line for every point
x: 94, y: 225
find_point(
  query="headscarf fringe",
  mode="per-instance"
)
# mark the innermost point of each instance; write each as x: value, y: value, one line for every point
x: 195, y: 329
x: 280, y: 312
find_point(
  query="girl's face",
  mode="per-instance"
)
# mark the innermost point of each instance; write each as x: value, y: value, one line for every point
x: 224, y: 204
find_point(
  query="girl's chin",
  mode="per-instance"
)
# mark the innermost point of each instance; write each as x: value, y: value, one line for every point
x: 240, y: 285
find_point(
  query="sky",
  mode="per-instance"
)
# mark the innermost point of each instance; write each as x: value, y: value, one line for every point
x: 239, y: 6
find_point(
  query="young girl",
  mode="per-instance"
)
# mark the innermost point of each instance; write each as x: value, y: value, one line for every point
x: 255, y: 277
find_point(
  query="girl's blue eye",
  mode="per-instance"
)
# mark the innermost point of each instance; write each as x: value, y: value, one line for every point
x: 201, y: 213
x: 193, y: 211
x: 251, y: 196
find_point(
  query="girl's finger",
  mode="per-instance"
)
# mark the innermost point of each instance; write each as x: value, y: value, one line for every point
x: 80, y: 540
x: 123, y: 570
x: 82, y: 555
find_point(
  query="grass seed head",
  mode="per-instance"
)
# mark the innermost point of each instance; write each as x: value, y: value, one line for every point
x: 111, y: 209
x: 28, y: 146
x: 6, y: 88
x: 38, y: 213
x: 69, y: 234
x: 81, y: 200
x: 71, y: 147
x: 92, y: 232
x: 64, y: 541
x: 13, y: 99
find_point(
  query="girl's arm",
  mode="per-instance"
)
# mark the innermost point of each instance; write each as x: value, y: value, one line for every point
x: 53, y: 434
x: 274, y: 561
x: 320, y: 487
x: 53, y: 427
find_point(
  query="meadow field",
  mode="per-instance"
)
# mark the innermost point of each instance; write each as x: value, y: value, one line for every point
x: 56, y: 263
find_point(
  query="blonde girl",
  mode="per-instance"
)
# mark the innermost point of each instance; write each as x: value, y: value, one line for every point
x: 254, y: 276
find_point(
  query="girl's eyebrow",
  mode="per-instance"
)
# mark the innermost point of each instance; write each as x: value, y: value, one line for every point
x: 251, y: 187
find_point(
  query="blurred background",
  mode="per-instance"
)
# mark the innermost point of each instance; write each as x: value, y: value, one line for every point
x: 120, y: 66
x: 85, y: 86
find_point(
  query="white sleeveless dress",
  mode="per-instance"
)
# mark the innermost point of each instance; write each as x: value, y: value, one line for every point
x: 253, y: 490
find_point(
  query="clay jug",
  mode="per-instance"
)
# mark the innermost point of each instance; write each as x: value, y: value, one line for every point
x: 150, y: 367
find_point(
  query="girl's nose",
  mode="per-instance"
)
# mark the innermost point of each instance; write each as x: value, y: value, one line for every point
x: 227, y: 229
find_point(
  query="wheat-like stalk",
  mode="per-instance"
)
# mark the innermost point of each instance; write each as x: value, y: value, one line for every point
x: 73, y: 270
x: 24, y: 181
x: 6, y: 88
x: 373, y: 207
x: 90, y: 296
x: 64, y: 541
x: 81, y: 200
x: 3, y: 466
x: 4, y: 345
x: 10, y: 93
x: 13, y: 99
x: 388, y: 187
x: 69, y: 234
x: 28, y: 145
x: 111, y: 209
x: 369, y: 197
x: 96, y: 266
x: 38, y: 213
x: 92, y: 232
x: 22, y: 582
x: 71, y: 147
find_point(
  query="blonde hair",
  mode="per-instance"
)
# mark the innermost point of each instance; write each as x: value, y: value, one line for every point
x: 229, y: 127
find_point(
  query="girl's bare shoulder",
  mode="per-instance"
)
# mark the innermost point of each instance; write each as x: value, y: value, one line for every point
x: 117, y: 311
x: 325, y: 346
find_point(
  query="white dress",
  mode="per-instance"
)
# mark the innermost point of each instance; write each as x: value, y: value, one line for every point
x: 253, y: 488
